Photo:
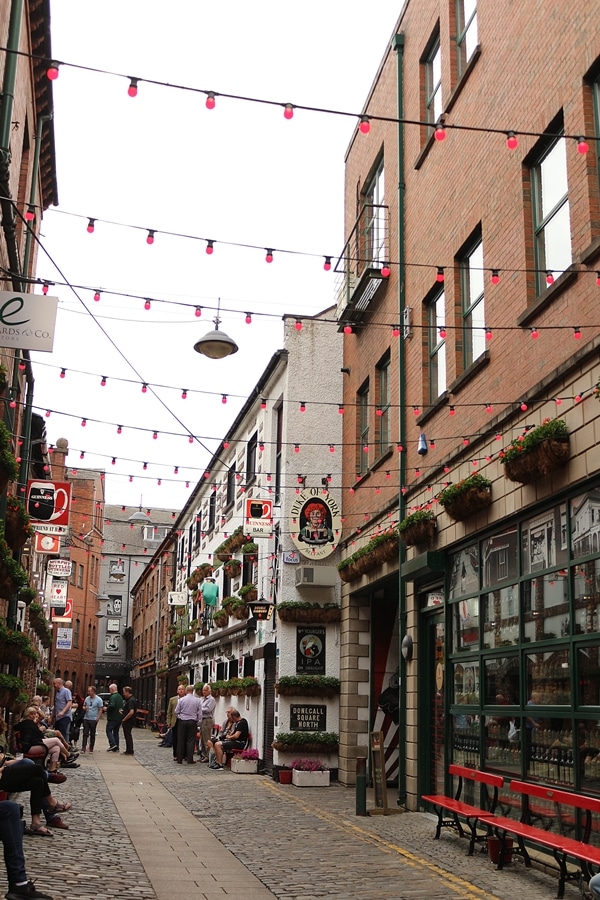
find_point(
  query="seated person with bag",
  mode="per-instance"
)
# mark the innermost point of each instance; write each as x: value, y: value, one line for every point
x: 235, y: 740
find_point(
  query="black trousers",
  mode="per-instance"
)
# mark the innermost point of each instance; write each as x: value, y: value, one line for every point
x: 186, y: 739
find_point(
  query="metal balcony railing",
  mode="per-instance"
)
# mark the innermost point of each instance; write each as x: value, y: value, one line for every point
x: 358, y: 268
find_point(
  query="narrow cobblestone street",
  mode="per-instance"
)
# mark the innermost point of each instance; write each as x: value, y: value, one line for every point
x: 143, y: 828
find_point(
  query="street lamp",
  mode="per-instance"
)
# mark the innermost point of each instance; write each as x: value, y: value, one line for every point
x: 216, y: 344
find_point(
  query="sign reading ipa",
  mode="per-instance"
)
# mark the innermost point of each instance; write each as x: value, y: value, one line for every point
x: 310, y: 651
x: 48, y: 505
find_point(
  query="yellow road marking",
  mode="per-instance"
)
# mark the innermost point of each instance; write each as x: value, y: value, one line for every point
x: 453, y: 882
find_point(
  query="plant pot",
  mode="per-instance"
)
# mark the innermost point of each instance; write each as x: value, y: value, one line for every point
x: 468, y: 503
x: 494, y: 850
x: 316, y: 615
x: 241, y: 766
x: 310, y: 779
x: 542, y: 459
x: 251, y: 596
x: 241, y: 612
x: 285, y: 776
x: 420, y: 534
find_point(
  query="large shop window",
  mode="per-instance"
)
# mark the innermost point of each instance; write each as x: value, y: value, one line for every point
x: 524, y: 659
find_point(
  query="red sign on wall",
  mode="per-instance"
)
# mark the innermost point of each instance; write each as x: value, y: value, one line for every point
x: 48, y: 505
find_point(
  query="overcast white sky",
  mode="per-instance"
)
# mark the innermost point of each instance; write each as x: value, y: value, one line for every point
x: 239, y: 173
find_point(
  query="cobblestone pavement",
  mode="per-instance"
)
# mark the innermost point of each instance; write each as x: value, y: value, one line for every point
x: 300, y: 843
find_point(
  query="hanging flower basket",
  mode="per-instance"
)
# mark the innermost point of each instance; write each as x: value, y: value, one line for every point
x: 9, y: 469
x: 418, y: 529
x: 17, y: 528
x: 381, y: 549
x: 10, y: 688
x: 221, y: 618
x: 249, y: 593
x: 537, y: 453
x: 240, y: 610
x: 467, y: 497
x: 232, y: 568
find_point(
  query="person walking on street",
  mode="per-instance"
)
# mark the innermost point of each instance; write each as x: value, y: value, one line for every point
x: 189, y: 717
x: 63, y: 702
x: 208, y: 708
x: 93, y: 707
x: 130, y: 707
x: 11, y: 835
x: 113, y: 718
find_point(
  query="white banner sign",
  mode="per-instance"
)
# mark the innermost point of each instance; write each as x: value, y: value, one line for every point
x: 177, y: 598
x: 64, y: 638
x: 59, y: 567
x: 27, y: 321
x: 58, y: 593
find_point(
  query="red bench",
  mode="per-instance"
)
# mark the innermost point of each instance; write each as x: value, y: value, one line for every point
x: 457, y: 807
x: 560, y: 845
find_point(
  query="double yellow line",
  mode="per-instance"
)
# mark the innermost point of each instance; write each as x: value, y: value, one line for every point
x: 452, y: 882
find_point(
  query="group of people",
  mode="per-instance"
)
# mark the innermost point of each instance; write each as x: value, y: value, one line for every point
x: 190, y: 724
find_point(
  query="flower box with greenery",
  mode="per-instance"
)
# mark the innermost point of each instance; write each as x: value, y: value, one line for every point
x: 245, y: 763
x: 162, y: 671
x: 232, y: 568
x: 9, y: 469
x: 380, y: 549
x: 47, y: 676
x: 418, y: 529
x: 251, y: 686
x: 217, y: 687
x: 239, y: 609
x: 220, y: 618
x: 10, y: 688
x: 16, y: 646
x: 27, y: 594
x: 233, y: 543
x: 310, y: 613
x: 467, y: 497
x: 183, y: 679
x: 306, y: 741
x: 227, y: 603
x: 248, y: 592
x: 42, y: 630
x: 36, y: 611
x: 308, y: 686
x: 537, y: 452
x: 310, y: 773
x: 250, y: 549
x: 42, y: 689
x: 13, y: 576
x: 18, y: 528
x: 234, y: 686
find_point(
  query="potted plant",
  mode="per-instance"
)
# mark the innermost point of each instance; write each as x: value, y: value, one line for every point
x: 16, y: 646
x: 9, y: 469
x: 27, y: 594
x: 239, y: 609
x: 220, y: 618
x: 306, y: 741
x: 418, y: 529
x: 42, y: 690
x: 232, y: 568
x: 305, y: 611
x: 467, y: 497
x: 10, y: 687
x: 17, y: 528
x: 162, y: 671
x: 251, y: 686
x: 310, y: 773
x: 227, y: 603
x: 285, y: 775
x: 250, y: 549
x: 537, y: 452
x: 308, y: 686
x: 248, y: 592
x: 381, y: 548
x: 12, y: 575
x: 245, y: 763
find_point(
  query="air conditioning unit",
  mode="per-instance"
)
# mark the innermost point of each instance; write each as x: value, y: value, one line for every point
x: 316, y: 576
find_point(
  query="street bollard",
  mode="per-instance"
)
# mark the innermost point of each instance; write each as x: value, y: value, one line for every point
x: 361, y: 786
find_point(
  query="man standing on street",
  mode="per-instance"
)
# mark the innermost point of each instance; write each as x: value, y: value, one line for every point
x: 189, y: 717
x: 172, y: 720
x: 93, y: 707
x: 113, y: 718
x: 208, y: 708
x: 130, y: 707
x: 62, y: 708
x: 11, y: 835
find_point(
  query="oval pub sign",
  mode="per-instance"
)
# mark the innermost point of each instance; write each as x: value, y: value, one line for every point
x: 315, y: 523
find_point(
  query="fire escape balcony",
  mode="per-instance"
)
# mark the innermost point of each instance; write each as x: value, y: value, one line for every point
x: 359, y: 266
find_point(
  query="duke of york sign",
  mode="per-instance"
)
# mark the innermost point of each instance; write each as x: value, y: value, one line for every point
x: 315, y: 523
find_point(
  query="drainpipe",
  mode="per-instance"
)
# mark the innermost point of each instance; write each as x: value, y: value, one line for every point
x: 398, y: 44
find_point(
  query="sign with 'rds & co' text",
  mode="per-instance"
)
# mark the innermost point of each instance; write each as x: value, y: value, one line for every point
x: 27, y: 321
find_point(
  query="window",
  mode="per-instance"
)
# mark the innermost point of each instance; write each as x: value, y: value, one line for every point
x: 383, y: 404
x: 251, y: 459
x: 155, y: 533
x: 198, y: 532
x: 473, y: 309
x: 362, y: 460
x: 80, y: 576
x: 212, y: 510
x: 437, y: 347
x: 551, y: 219
x: 230, y: 493
x: 433, y: 82
x: 466, y: 32
x: 76, y: 632
x: 374, y: 233
x: 596, y: 101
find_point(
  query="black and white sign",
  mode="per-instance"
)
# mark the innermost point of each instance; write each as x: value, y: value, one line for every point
x: 308, y: 718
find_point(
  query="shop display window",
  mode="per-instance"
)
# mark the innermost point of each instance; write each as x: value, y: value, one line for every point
x: 499, y: 558
x: 502, y: 680
x: 586, y: 589
x: 549, y: 679
x: 588, y: 675
x: 465, y: 631
x: 585, y: 524
x: 545, y: 607
x: 502, y: 744
x: 465, y: 740
x: 466, y: 682
x: 464, y: 572
x: 544, y: 540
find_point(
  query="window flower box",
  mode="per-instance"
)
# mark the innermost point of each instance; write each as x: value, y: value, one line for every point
x: 380, y: 549
x: 466, y: 498
x: 309, y: 613
x: 537, y: 452
x: 310, y: 773
x: 418, y: 529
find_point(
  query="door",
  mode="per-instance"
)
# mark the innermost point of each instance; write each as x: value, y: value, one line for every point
x: 269, y: 709
x: 432, y: 749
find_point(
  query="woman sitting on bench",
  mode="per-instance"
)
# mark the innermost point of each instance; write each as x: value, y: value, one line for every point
x: 236, y: 740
